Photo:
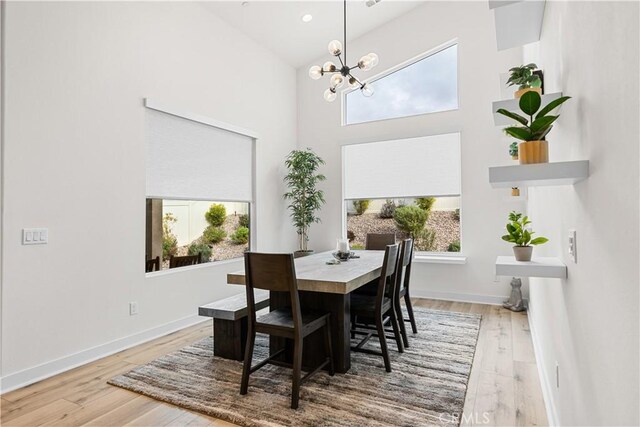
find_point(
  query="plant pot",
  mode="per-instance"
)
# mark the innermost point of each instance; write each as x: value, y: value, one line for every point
x: 300, y: 254
x: 523, y: 253
x: 530, y: 152
x: 514, y: 157
x: 521, y: 92
x: 515, y: 192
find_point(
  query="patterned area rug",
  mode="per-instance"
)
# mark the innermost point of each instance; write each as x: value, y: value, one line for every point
x: 427, y: 386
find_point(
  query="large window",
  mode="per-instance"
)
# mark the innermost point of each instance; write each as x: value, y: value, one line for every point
x: 199, y: 189
x: 427, y: 85
x: 410, y: 187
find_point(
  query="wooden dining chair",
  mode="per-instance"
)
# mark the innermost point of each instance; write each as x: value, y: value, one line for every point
x: 152, y: 264
x: 183, y: 261
x: 402, y: 289
x: 276, y: 272
x: 379, y: 241
x: 378, y: 310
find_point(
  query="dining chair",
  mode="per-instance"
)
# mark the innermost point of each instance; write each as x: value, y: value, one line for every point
x: 152, y: 264
x: 183, y: 261
x: 276, y: 272
x: 403, y: 277
x: 379, y: 241
x: 378, y: 310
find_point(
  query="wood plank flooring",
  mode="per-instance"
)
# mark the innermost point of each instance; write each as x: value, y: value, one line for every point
x: 504, y: 388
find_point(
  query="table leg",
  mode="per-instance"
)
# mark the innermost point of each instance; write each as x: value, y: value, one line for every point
x: 313, y: 349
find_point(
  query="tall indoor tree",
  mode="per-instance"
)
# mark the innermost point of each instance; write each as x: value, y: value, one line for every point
x: 304, y: 196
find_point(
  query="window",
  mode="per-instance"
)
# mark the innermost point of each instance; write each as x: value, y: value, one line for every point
x: 199, y: 189
x: 410, y: 187
x: 427, y: 85
x: 213, y: 231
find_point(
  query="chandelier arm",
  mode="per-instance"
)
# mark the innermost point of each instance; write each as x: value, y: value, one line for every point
x: 356, y: 79
x: 340, y: 59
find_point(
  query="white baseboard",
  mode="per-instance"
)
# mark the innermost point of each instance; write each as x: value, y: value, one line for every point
x: 37, y: 373
x: 451, y: 296
x: 547, y: 395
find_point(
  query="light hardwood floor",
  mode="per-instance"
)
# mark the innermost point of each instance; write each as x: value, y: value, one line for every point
x: 504, y: 388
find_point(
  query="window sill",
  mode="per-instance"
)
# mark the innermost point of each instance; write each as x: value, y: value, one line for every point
x: 430, y: 258
x: 170, y: 271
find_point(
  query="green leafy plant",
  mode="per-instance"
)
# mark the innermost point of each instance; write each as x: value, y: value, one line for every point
x: 513, y: 149
x: 410, y: 219
x: 361, y: 206
x: 216, y: 215
x: 425, y: 240
x: 523, y: 77
x: 169, y: 240
x: 454, y: 246
x: 201, y: 249
x: 532, y: 129
x: 243, y: 220
x: 357, y: 247
x: 456, y: 214
x: 240, y: 236
x: 425, y: 203
x: 519, y: 234
x: 213, y: 235
x: 304, y: 196
x: 388, y: 209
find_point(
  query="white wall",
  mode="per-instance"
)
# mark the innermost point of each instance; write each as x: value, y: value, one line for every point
x: 588, y: 323
x: 483, y: 210
x: 77, y: 73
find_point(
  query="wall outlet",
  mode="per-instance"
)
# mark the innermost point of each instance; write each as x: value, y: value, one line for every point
x: 557, y: 375
x: 573, y: 248
x: 133, y: 308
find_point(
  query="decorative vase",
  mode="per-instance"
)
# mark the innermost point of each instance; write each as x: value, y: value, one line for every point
x: 530, y: 152
x: 521, y: 92
x: 514, y: 157
x: 523, y: 253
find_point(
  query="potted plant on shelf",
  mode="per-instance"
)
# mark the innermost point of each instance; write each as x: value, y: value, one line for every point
x: 513, y: 151
x: 305, y: 199
x: 521, y: 236
x: 524, y: 77
x: 533, y: 148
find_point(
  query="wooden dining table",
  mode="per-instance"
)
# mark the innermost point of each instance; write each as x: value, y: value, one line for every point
x: 326, y: 288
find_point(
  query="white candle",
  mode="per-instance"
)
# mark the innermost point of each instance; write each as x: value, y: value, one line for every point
x: 343, y: 246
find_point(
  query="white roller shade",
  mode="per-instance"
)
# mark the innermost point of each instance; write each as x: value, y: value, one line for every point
x: 187, y: 159
x: 415, y: 167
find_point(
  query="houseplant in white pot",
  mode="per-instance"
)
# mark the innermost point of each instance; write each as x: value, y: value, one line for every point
x: 521, y: 236
x: 534, y: 147
x: 524, y: 78
x: 304, y: 197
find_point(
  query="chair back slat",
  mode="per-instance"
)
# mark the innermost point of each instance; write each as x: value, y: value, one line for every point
x: 272, y: 272
x: 183, y: 261
x: 404, y: 264
x: 387, y: 274
x: 379, y: 241
x: 152, y: 264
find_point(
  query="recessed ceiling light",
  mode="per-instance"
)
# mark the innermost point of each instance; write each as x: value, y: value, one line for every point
x: 244, y: 3
x: 307, y: 17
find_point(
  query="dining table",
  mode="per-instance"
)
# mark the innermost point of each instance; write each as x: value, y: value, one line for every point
x: 324, y: 287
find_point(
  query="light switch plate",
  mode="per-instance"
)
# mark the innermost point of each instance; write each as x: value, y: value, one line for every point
x: 35, y: 236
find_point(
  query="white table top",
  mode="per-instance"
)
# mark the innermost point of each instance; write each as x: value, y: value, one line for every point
x: 315, y: 275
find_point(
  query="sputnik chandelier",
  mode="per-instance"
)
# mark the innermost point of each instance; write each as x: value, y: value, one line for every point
x: 340, y: 74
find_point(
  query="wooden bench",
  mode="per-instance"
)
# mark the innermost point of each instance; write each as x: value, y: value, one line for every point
x: 230, y: 323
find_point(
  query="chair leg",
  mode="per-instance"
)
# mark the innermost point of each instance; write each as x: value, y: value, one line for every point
x: 327, y: 345
x: 407, y: 301
x: 353, y: 326
x: 383, y: 344
x: 297, y: 369
x: 248, y: 356
x: 403, y: 330
x: 396, y: 331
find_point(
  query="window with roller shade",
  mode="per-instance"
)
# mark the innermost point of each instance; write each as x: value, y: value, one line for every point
x: 422, y: 173
x: 199, y: 190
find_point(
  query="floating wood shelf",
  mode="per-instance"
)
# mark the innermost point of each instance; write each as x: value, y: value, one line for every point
x: 537, y: 267
x: 517, y: 22
x: 539, y: 174
x: 513, y: 105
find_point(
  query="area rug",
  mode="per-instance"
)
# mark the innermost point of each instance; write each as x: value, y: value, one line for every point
x: 427, y: 386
